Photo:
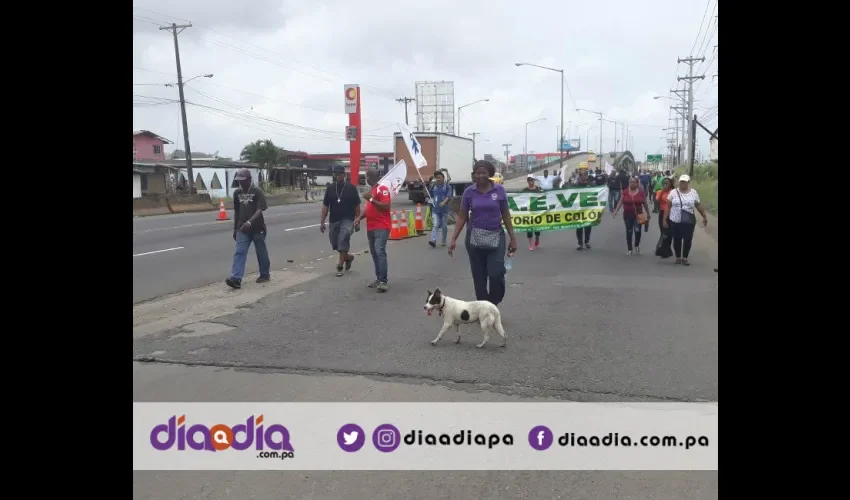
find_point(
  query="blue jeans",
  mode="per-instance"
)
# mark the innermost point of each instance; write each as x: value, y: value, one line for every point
x: 613, y: 198
x: 440, y: 221
x: 378, y: 248
x: 243, y: 243
x: 488, y: 267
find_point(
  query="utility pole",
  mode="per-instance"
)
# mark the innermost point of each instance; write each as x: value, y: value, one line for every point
x: 474, y: 135
x: 173, y: 29
x: 405, y: 101
x: 507, y: 152
x: 690, y: 79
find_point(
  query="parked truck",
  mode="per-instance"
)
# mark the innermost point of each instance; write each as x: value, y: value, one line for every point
x: 449, y: 153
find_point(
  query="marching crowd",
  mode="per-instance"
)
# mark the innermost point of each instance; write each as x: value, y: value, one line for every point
x: 484, y: 208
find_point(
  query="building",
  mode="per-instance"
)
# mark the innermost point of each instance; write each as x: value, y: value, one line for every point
x: 326, y: 161
x: 148, y: 146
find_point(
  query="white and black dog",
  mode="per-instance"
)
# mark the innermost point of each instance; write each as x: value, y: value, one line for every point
x: 456, y: 312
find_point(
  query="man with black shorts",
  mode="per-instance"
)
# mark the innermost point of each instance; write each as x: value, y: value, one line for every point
x: 343, y: 202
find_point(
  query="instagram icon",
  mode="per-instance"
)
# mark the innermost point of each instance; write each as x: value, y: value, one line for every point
x: 386, y: 438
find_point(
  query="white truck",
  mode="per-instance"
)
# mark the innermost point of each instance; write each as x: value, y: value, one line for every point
x: 448, y: 153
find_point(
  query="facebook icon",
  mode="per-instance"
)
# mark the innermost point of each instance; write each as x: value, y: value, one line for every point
x: 540, y: 437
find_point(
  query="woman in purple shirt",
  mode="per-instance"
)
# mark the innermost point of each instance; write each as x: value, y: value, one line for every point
x: 485, y: 205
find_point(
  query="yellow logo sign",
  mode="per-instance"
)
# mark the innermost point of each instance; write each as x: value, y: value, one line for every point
x: 351, y: 94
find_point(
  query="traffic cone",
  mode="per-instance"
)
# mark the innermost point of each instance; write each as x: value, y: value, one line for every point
x: 394, y: 231
x: 222, y: 213
x: 420, y: 223
x: 404, y: 232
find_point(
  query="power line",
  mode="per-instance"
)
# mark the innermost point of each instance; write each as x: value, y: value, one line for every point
x: 700, y: 26
x: 405, y: 101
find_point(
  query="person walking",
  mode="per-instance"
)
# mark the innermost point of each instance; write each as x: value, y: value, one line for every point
x: 657, y: 186
x: 532, y: 188
x: 613, y: 191
x: 342, y: 201
x: 665, y: 247
x: 485, y: 206
x: 441, y: 196
x: 583, y: 233
x: 249, y: 226
x: 378, y: 226
x: 635, y: 211
x: 684, y: 203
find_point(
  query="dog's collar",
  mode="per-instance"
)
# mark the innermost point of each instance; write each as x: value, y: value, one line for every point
x: 442, y: 305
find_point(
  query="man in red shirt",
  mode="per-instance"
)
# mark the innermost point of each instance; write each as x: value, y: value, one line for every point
x: 378, y: 225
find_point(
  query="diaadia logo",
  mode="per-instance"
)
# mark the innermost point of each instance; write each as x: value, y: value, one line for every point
x: 220, y: 437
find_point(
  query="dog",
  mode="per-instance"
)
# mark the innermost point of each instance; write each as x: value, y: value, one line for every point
x: 456, y: 312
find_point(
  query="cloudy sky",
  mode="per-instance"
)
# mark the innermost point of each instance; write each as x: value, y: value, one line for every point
x: 279, y: 68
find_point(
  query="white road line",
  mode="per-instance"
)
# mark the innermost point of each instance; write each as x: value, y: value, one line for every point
x: 158, y: 251
x: 302, y: 227
x: 267, y: 216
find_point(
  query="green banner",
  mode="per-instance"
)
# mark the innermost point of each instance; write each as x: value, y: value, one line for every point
x: 558, y: 209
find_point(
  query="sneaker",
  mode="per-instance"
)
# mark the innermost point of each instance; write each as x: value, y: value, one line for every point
x: 531, y: 247
x: 382, y: 287
x: 433, y: 244
x: 629, y: 253
x: 580, y: 247
x: 373, y: 284
x: 233, y: 283
x: 348, y: 262
x: 637, y: 250
x: 339, y: 270
x: 443, y: 244
x: 536, y: 244
x: 587, y: 246
x: 263, y: 279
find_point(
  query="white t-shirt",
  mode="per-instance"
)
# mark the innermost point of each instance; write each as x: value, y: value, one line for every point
x: 546, y: 182
x: 682, y: 201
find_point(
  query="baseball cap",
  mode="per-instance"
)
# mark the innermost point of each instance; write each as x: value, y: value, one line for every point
x: 243, y: 174
x: 684, y: 178
x: 339, y: 169
x: 529, y: 176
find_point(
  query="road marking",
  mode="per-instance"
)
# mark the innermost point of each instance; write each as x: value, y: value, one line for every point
x: 158, y: 251
x: 302, y: 227
x: 267, y: 216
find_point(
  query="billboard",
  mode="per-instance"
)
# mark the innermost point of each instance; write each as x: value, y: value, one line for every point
x: 435, y: 107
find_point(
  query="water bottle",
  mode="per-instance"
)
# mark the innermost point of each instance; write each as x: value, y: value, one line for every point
x: 509, y: 263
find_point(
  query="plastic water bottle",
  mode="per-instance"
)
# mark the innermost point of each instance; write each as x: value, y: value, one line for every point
x: 509, y: 263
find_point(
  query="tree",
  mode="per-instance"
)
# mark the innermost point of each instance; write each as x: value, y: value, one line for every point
x: 264, y: 153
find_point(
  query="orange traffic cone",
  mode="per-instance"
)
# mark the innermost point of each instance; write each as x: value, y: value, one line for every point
x: 394, y: 231
x: 420, y: 222
x: 404, y: 232
x: 222, y: 213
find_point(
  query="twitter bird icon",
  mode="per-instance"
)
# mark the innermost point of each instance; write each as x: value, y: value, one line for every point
x: 350, y: 437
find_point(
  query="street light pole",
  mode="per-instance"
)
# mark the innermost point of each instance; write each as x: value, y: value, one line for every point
x: 561, y: 139
x: 465, y: 105
x: 525, y: 148
x: 600, y: 126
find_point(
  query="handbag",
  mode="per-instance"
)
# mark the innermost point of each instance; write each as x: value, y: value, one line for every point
x: 484, y: 239
x: 687, y: 217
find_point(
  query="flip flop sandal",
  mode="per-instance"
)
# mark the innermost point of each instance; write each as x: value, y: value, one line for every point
x: 348, y: 262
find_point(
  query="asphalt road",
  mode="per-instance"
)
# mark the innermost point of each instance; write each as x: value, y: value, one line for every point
x: 180, y: 251
x: 582, y: 326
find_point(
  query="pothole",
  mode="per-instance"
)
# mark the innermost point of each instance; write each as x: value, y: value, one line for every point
x: 202, y: 329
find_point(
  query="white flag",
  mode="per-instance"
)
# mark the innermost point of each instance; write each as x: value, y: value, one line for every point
x: 413, y: 146
x: 608, y: 168
x: 394, y: 178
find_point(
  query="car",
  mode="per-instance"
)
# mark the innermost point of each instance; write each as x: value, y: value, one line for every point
x: 591, y: 157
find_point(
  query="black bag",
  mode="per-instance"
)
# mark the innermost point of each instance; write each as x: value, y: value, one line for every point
x: 662, y: 248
